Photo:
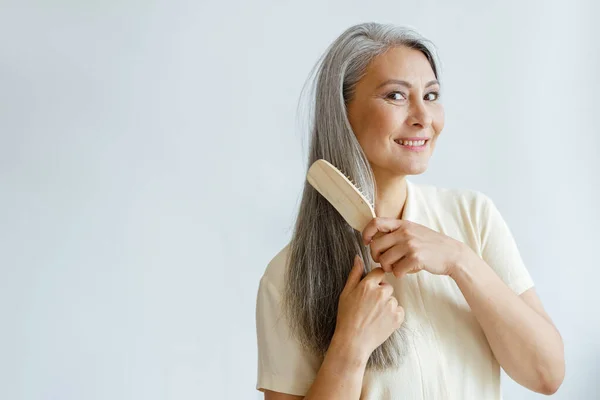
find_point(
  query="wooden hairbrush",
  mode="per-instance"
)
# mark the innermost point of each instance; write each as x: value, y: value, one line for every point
x: 344, y: 195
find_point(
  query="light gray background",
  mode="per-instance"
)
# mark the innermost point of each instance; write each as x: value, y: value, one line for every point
x: 151, y: 163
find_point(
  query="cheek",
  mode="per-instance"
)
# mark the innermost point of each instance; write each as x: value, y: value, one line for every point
x: 378, y: 122
x: 438, y: 119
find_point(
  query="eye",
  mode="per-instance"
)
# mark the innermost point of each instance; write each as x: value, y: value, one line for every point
x: 436, y: 96
x: 396, y: 96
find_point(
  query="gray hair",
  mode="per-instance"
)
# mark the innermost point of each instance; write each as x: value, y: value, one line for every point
x: 323, y: 245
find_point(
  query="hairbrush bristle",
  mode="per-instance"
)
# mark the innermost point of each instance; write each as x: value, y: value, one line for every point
x: 358, y: 187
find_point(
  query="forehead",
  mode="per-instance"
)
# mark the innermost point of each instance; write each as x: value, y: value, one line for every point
x: 400, y: 63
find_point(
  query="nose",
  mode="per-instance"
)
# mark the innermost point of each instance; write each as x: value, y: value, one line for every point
x: 419, y: 115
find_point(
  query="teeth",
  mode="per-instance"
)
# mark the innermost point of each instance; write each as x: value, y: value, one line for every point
x: 410, y: 142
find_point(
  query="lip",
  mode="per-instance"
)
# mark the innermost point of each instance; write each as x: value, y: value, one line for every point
x: 414, y: 139
x: 413, y: 148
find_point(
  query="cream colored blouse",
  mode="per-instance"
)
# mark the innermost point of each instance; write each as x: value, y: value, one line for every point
x: 448, y: 355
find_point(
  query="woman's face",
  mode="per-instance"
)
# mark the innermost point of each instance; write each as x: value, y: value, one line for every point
x: 396, y: 101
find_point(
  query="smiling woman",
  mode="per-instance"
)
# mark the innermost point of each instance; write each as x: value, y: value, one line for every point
x: 431, y: 308
x: 396, y: 121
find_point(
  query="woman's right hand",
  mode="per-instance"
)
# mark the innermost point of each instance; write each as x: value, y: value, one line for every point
x: 368, y: 312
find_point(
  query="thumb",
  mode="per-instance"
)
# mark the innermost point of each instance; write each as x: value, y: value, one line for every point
x: 355, y: 273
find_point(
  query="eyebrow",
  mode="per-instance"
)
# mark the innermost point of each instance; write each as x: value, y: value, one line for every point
x: 405, y: 83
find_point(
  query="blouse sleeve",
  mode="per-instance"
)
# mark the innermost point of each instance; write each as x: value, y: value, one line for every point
x: 283, y: 364
x: 499, y: 249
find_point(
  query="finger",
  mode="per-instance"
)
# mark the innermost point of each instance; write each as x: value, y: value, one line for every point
x: 387, y: 257
x: 389, y: 249
x: 406, y: 265
x: 380, y: 224
x: 375, y: 276
x: 355, y: 273
x: 388, y: 290
x: 379, y: 245
x: 400, y: 315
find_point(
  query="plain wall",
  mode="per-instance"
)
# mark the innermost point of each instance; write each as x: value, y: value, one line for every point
x: 151, y: 163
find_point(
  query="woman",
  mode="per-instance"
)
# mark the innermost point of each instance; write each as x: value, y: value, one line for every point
x: 444, y: 299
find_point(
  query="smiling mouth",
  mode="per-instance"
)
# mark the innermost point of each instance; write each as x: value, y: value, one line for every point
x: 413, y: 144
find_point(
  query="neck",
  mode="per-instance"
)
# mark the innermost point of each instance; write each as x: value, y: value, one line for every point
x: 391, y: 194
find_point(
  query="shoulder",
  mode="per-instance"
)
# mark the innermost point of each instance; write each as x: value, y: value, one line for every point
x: 274, y: 273
x: 466, y: 207
x: 451, y: 198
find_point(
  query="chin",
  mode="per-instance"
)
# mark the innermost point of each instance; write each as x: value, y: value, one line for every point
x: 402, y: 168
x: 415, y: 169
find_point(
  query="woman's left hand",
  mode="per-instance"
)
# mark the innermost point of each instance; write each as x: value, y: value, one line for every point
x: 406, y: 247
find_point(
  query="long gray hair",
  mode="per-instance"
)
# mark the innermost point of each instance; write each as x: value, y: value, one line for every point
x: 323, y: 245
